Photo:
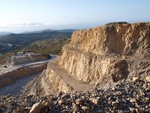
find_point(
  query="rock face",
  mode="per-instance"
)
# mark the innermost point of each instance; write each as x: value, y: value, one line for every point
x: 93, y: 53
x: 121, y: 39
x: 29, y: 58
x: 100, y: 57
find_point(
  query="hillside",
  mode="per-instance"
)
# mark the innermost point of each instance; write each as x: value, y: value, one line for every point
x: 48, y: 46
x: 22, y: 40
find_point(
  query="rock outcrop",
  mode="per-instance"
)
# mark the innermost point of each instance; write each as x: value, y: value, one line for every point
x: 121, y: 39
x: 101, y: 57
x: 107, y: 50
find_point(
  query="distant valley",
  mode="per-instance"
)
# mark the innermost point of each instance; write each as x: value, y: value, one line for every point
x: 16, y: 41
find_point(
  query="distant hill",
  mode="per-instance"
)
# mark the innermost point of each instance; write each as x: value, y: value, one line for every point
x: 39, y: 31
x: 23, y: 40
x: 67, y: 30
x: 4, y: 33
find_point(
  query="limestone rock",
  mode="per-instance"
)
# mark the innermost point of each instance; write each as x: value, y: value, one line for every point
x: 136, y: 79
x: 133, y: 100
x: 85, y: 108
x: 61, y: 102
x: 27, y: 104
x: 148, y: 78
x: 94, y: 100
x: 36, y: 108
x: 132, y: 110
x: 79, y: 102
x: 115, y: 105
x: 75, y: 107
x: 21, y: 109
x: 46, y: 104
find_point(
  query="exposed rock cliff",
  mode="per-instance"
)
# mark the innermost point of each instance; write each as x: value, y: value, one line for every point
x: 121, y: 39
x: 102, y: 56
x: 93, y: 53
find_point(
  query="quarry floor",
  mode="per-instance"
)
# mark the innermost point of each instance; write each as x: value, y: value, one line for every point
x: 17, y: 87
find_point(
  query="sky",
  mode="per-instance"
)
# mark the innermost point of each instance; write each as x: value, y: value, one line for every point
x: 29, y: 15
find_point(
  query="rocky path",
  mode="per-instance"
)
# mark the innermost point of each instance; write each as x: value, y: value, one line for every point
x: 75, y: 85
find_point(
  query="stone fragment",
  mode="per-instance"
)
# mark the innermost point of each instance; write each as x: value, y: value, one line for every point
x: 27, y: 104
x: 11, y: 102
x: 115, y: 105
x: 75, y: 107
x: 46, y: 103
x: 30, y: 95
x: 94, y: 100
x: 133, y: 100
x: 21, y: 109
x: 148, y: 78
x: 61, y: 102
x: 85, y: 108
x: 132, y: 110
x: 36, y: 108
x: 79, y: 102
x: 65, y: 111
x: 136, y: 79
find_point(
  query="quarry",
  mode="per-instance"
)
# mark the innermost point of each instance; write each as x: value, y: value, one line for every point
x: 103, y: 69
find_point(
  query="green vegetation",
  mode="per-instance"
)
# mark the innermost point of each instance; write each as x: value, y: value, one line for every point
x: 47, y: 46
x: 5, y: 58
x: 23, y: 40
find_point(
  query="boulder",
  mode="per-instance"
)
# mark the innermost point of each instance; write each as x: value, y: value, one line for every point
x: 36, y: 108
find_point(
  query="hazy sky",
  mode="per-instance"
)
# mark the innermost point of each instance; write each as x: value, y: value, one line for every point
x: 29, y: 15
